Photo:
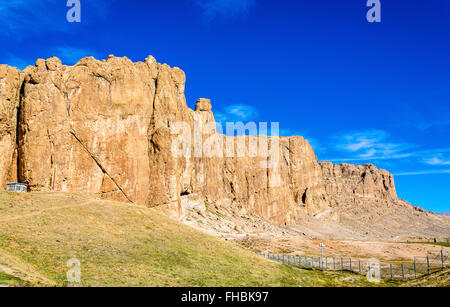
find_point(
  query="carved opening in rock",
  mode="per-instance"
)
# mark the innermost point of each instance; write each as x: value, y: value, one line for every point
x: 185, y: 193
x: 304, y: 197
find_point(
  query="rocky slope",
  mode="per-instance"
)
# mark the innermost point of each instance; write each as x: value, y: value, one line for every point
x: 364, y: 204
x: 114, y: 128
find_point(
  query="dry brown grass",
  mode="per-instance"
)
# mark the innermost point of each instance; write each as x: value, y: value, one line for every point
x: 127, y: 245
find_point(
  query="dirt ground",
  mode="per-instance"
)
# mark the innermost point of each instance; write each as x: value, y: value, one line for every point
x: 381, y: 250
x: 346, y: 238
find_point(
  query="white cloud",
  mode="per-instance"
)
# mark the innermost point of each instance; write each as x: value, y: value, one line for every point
x: 225, y: 8
x: 370, y: 144
x: 428, y: 172
x: 438, y: 160
x: 237, y: 113
x: 242, y: 112
x: 377, y: 145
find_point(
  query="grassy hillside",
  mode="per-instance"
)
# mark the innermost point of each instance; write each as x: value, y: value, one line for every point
x: 440, y: 279
x: 126, y: 245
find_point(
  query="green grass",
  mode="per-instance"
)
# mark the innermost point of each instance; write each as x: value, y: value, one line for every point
x: 11, y: 281
x: 439, y: 279
x: 445, y: 244
x: 127, y: 245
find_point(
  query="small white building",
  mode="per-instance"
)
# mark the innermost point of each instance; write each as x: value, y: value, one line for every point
x: 16, y: 187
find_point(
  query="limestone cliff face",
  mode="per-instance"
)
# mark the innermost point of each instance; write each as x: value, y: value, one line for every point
x: 10, y: 83
x: 353, y: 185
x: 109, y: 127
x: 123, y: 130
x: 84, y: 128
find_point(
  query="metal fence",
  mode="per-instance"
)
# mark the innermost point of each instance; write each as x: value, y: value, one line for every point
x: 419, y: 267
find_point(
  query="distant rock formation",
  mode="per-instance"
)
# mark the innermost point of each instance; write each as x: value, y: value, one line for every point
x: 348, y: 184
x: 107, y: 127
x: 446, y: 213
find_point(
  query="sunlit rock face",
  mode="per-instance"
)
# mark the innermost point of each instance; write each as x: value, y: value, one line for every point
x: 10, y: 83
x: 113, y: 127
x: 349, y: 184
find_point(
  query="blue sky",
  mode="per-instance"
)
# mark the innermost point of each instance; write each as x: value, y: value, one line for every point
x: 361, y: 93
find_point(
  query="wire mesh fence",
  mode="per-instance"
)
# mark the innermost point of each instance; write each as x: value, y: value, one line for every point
x: 417, y: 268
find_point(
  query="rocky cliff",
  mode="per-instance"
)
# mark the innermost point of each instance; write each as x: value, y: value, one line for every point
x: 107, y: 127
x: 355, y: 185
x: 123, y: 130
x: 10, y: 84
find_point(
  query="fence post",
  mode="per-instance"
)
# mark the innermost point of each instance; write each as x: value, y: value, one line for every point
x: 392, y: 274
x: 381, y: 271
x: 334, y: 263
x: 360, y: 267
x: 326, y: 264
x: 415, y: 268
x: 351, y: 269
x: 342, y: 264
x: 403, y: 271
x: 428, y: 265
x: 442, y: 258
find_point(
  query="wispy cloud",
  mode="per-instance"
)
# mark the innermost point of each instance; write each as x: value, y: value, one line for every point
x: 370, y: 144
x: 225, y: 8
x: 378, y: 145
x: 427, y: 172
x: 237, y: 113
x: 437, y: 160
